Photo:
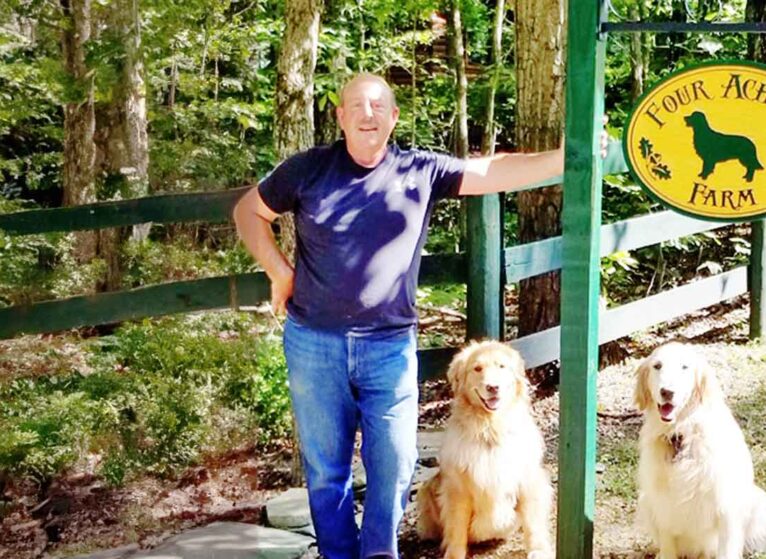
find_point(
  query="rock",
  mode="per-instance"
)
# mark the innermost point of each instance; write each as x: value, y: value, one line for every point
x: 231, y: 540
x: 290, y: 509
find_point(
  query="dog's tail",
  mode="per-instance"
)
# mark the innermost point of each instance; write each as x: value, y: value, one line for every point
x: 756, y: 529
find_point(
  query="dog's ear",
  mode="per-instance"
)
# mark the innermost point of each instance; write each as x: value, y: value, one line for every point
x: 643, y: 396
x: 519, y: 371
x: 456, y: 371
x: 706, y: 386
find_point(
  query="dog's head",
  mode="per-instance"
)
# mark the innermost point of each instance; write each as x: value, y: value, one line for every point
x: 673, y: 380
x: 696, y: 119
x: 489, y: 376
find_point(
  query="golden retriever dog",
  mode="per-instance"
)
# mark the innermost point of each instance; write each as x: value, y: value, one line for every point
x: 697, y: 497
x: 491, y: 477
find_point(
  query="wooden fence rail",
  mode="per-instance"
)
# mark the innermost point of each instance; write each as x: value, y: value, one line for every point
x: 240, y: 290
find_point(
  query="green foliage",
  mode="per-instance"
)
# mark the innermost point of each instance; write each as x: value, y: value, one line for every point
x: 156, y: 397
x: 620, y: 460
x: 156, y: 261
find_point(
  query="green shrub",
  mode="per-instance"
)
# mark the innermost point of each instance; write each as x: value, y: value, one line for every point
x: 161, y: 394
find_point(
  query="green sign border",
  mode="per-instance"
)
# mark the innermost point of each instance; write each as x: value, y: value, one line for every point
x: 640, y: 100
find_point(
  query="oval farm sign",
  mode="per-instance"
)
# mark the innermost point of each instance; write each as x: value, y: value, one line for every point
x: 697, y: 141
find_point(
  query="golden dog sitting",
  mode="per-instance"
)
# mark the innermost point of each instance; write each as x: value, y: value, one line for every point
x: 697, y: 497
x: 491, y: 478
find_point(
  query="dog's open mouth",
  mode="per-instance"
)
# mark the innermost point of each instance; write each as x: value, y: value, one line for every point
x: 666, y: 411
x: 491, y: 403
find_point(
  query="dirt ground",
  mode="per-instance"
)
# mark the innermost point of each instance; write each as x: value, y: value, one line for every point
x: 79, y: 513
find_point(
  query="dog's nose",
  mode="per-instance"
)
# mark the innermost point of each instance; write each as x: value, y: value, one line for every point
x: 492, y: 388
x: 666, y: 394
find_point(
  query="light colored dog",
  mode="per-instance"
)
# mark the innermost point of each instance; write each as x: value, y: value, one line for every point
x: 697, y: 497
x: 491, y: 478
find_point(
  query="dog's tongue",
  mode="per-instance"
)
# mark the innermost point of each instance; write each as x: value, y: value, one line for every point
x: 492, y: 403
x: 666, y: 410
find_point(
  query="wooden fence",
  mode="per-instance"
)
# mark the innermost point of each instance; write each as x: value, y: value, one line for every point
x: 240, y: 290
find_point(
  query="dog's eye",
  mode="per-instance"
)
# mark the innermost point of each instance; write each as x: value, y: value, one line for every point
x: 658, y: 365
x: 478, y: 368
x: 501, y: 365
x: 684, y: 367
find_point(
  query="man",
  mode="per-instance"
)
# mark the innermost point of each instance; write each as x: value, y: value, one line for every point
x: 361, y: 211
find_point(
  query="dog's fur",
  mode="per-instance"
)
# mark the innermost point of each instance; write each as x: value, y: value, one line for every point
x: 697, y: 497
x: 491, y: 477
x: 715, y: 147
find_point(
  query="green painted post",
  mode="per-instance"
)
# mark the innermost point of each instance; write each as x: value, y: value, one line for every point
x: 757, y: 286
x: 580, y: 281
x: 485, y: 289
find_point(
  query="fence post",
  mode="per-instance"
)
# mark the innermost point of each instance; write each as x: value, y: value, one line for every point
x: 756, y: 284
x: 580, y: 280
x: 485, y: 290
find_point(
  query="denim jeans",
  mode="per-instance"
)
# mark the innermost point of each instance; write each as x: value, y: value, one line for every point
x: 339, y: 381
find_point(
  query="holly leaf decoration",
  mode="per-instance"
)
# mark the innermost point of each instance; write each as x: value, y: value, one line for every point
x: 662, y: 171
x: 646, y: 147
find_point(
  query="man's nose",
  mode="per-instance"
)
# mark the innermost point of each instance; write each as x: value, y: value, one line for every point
x: 367, y: 109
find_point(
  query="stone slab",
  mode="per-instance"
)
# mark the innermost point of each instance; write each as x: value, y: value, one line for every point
x: 290, y: 509
x: 231, y: 540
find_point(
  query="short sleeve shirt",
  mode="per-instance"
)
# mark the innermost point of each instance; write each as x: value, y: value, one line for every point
x: 360, y: 232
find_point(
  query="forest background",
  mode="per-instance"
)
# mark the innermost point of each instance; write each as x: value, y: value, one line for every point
x: 114, y: 99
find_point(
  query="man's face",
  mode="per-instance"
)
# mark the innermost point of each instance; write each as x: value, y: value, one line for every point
x: 367, y: 115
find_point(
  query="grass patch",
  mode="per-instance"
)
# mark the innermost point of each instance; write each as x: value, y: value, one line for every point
x: 620, y: 460
x: 749, y: 414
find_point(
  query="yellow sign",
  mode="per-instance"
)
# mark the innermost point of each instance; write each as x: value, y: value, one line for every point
x: 697, y: 141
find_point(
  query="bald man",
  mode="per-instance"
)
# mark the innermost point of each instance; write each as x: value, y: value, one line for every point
x: 362, y: 208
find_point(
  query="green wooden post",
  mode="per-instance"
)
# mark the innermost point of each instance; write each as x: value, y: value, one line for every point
x: 485, y: 290
x: 757, y: 286
x: 580, y: 281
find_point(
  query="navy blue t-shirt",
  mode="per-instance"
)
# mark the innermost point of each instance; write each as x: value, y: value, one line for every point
x: 360, y: 232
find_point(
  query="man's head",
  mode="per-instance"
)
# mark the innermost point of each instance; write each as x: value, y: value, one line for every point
x: 367, y: 115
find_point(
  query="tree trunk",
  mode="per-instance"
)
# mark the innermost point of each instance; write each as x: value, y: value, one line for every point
x: 540, y: 54
x: 461, y: 82
x: 294, y: 115
x: 79, y: 121
x: 640, y: 54
x: 488, y: 136
x: 123, y: 149
x: 327, y: 128
x: 756, y: 42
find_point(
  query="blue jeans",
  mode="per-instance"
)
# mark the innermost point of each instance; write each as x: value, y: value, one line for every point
x: 339, y: 381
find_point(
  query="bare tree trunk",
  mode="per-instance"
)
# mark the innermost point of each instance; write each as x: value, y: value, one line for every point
x: 327, y: 128
x: 540, y: 52
x: 461, y: 81
x: 756, y: 43
x: 294, y: 115
x: 123, y: 150
x: 488, y: 136
x: 294, y: 118
x: 640, y: 54
x: 79, y: 121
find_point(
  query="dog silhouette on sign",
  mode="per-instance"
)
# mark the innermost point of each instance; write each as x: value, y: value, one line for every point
x: 715, y: 147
